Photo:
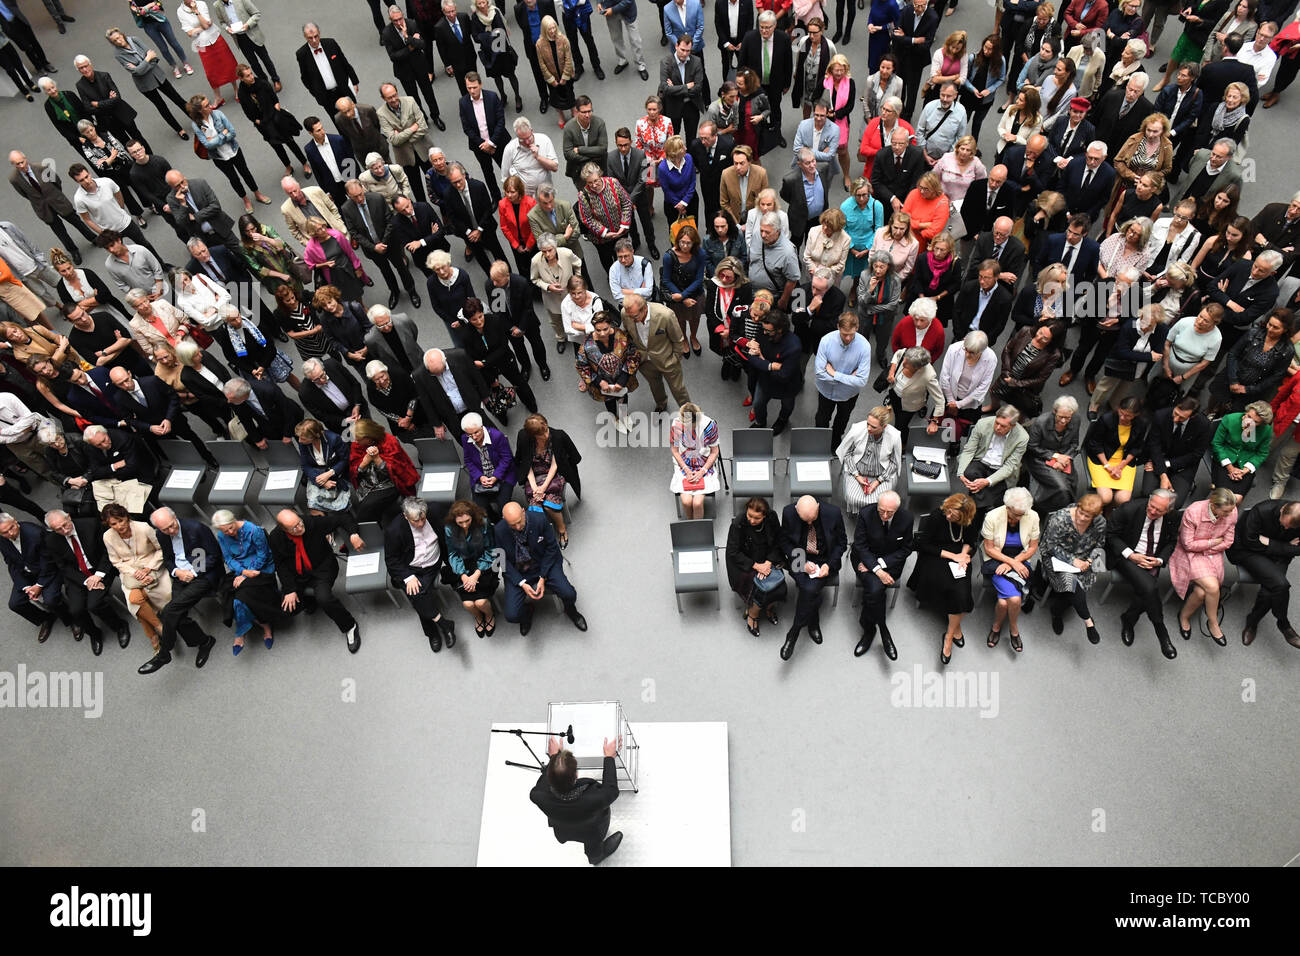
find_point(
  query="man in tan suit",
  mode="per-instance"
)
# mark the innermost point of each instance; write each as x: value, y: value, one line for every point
x: 658, y: 335
x: 741, y: 184
x: 304, y: 203
x: 555, y: 217
x: 404, y: 126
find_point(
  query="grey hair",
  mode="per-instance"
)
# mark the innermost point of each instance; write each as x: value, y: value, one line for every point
x: 916, y: 357
x: 1263, y: 410
x: 521, y: 124
x: 1227, y: 141
x: 1168, y: 493
x: 806, y: 153
x: 6, y: 517
x: 1141, y: 79
x: 547, y: 241
x: 545, y: 191
x: 79, y: 59
x: 83, y: 125
x: 893, y: 496
x: 822, y: 272
x: 47, y: 434
x: 135, y: 295
x: 924, y: 308
x: 975, y: 341
x: 461, y: 166
x: 892, y: 103
x: 414, y: 508
x: 377, y: 309
x: 433, y: 151
x: 187, y: 351
x: 45, y: 83
x: 881, y: 256
x: 312, y: 365
x: 1271, y: 258
x: 195, y: 243
x: 471, y: 420
x: 767, y: 16
x: 624, y: 244
x: 237, y: 388
x: 1018, y: 498
x: 94, y: 431
x: 1008, y: 411
x: 1066, y: 402
x: 588, y: 170
x: 374, y: 367
x: 769, y: 219
x: 371, y: 159
x: 223, y: 516
x: 1098, y: 144
x: 54, y: 513
x: 309, y: 26
x: 160, y: 513
x: 228, y: 310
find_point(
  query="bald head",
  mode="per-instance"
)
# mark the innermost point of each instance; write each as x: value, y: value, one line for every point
x: 174, y: 178
x: 1035, y: 145
x: 808, y: 508
x: 435, y: 361
x: 513, y: 513
x: 291, y: 522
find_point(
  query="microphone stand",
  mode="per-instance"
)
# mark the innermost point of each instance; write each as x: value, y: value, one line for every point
x: 538, y: 764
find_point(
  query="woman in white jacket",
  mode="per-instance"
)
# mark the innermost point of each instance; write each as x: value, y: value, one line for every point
x: 1173, y: 239
x: 871, y: 456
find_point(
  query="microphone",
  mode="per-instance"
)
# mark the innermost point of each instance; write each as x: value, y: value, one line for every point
x: 569, y: 735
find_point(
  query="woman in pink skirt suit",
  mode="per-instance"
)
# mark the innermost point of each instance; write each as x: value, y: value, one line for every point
x: 1196, y: 566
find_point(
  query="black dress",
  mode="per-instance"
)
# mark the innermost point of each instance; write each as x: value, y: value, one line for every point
x: 932, y: 576
x: 746, y: 545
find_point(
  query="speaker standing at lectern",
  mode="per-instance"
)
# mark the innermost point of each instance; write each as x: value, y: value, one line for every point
x: 577, y: 808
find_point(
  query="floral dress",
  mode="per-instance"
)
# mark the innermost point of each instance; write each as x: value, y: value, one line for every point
x: 650, y: 138
x: 553, y: 493
x: 1061, y: 539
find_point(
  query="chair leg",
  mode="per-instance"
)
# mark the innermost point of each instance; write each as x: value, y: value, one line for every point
x: 835, y: 601
x: 717, y: 599
x: 678, y: 595
x: 893, y: 597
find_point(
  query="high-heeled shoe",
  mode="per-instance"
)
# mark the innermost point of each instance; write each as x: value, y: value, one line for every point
x: 959, y: 640
x: 1186, y: 632
x: 697, y: 349
x: 942, y: 656
x: 751, y: 625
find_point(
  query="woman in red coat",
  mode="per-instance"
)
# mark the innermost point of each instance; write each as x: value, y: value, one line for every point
x: 382, y: 473
x: 879, y: 133
x: 513, y: 210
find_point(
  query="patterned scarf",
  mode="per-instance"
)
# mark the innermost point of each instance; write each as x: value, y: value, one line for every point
x: 1224, y: 118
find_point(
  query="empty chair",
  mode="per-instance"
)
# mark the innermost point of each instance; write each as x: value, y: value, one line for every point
x: 695, y: 560
x: 234, y: 473
x: 181, y: 482
x: 751, y: 465
x: 283, y: 476
x: 440, y: 470
x: 366, y: 570
x: 809, y: 463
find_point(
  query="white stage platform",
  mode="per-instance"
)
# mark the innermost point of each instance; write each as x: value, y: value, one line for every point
x: 680, y: 817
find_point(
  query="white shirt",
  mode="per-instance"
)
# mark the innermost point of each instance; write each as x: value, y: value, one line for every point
x: 236, y: 24
x: 190, y: 21
x: 335, y: 395
x: 997, y: 449
x: 225, y: 150
x: 203, y: 301
x: 1260, y: 61
x: 329, y: 159
x: 1154, y: 528
x: 733, y: 17
x: 323, y: 65
x: 426, y: 546
x: 518, y: 161
x: 102, y: 206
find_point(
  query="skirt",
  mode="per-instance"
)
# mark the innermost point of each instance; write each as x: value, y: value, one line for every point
x: 1102, y: 479
x: 1187, y: 51
x: 561, y: 96
x: 711, y: 483
x: 855, y: 499
x: 218, y: 63
x: 488, y: 583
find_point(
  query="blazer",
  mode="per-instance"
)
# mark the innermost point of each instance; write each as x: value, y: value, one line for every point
x: 296, y: 220
x: 321, y: 408
x: 139, y: 463
x: 634, y: 181
x: 46, y: 195
x: 1014, y: 257
x: 740, y: 553
x: 662, y: 340
x: 1103, y: 439
x: 912, y: 28
x: 343, y: 155
x: 255, y: 356
x: 57, y: 551
x: 1263, y: 520
x: 1124, y: 526
x: 797, y: 202
x: 1086, y: 259
x: 148, y: 75
x: 246, y: 13
x: 1114, y: 130
x: 1045, y: 441
x: 541, y: 540
x: 320, y: 552
x: 597, y: 148
x: 363, y: 132
x: 207, y: 397
x: 782, y: 62
x: 161, y: 404
x: 994, y: 319
x: 981, y: 438
x: 975, y: 211
x: 201, y: 550
x: 877, y: 550
x: 562, y: 71
x: 473, y: 390
x: 381, y: 346
x: 722, y: 23
x: 409, y: 147
x: 995, y: 528
x: 1084, y: 135
x: 1092, y: 199
x: 336, y: 453
x: 1036, y: 374
x: 831, y: 536
x: 1256, y: 300
x: 281, y: 413
x: 729, y: 197
x: 1037, y: 179
x: 1124, y: 361
x: 503, y: 459
x: 24, y: 558
x: 539, y: 221
x: 577, y: 817
x: 1170, y: 457
x: 493, y: 113
x: 399, y: 550
x: 69, y: 130
x: 1231, y: 445
x: 87, y: 405
x: 892, y: 176
x: 456, y: 55
x: 459, y: 222
x: 97, y: 90
x: 381, y: 220
x: 427, y: 229
x: 142, y: 552
x: 209, y: 211
x: 673, y: 90
x: 1229, y: 175
x: 1214, y: 80
x: 1182, y: 124
x: 567, y: 457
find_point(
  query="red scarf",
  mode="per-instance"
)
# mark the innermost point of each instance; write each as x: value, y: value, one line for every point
x: 301, y: 562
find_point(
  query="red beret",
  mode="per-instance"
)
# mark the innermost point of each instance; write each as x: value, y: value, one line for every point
x: 1080, y: 103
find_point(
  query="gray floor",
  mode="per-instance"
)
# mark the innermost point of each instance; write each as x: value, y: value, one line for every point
x: 1098, y: 755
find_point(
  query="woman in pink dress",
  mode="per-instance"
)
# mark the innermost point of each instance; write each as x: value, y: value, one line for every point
x: 1196, y: 566
x: 841, y: 93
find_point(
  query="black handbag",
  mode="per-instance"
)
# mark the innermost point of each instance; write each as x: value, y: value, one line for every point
x: 926, y: 469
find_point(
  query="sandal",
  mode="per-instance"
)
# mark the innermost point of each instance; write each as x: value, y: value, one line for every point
x: 994, y: 637
x: 1015, y: 642
x: 751, y: 624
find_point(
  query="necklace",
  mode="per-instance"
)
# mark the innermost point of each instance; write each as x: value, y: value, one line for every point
x: 955, y: 537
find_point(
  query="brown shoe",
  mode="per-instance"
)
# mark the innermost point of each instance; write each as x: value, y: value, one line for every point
x: 1270, y: 101
x: 1248, y: 634
x: 1066, y: 378
x: 1090, y: 385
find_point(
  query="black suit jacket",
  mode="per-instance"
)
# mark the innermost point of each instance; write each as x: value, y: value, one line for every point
x: 457, y: 54
x: 383, y: 346
x: 975, y: 212
x: 673, y: 91
x: 485, y: 211
x: 282, y: 413
x: 709, y: 171
x: 722, y: 23
x: 321, y: 408
x: 232, y: 268
x: 427, y: 228
x: 209, y: 211
x: 47, y: 197
x: 1091, y: 200
x: 320, y: 553
x: 545, y: 8
x: 407, y: 55
x: 87, y: 405
x: 255, y: 356
x: 541, y: 540
x: 399, y: 550
x: 1084, y: 135
x: 493, y: 112
x: 201, y: 550
x: 436, y: 404
x: 1014, y: 258
x: 208, y: 396
x: 782, y: 65
x: 871, y: 545
x: 381, y: 218
x: 343, y: 155
x: 1114, y: 130
x: 634, y: 181
x: 513, y: 303
x: 1257, y: 300
x: 24, y: 558
x: 1264, y: 519
x: 1124, y: 528
x: 832, y: 537
x: 797, y: 203
x: 1214, y: 80
x: 58, y: 554
x: 1085, y: 260
x: 583, y: 815
x: 891, y: 177
x: 1174, y: 457
x: 139, y: 463
x: 344, y: 73
x: 161, y: 404
x: 1037, y: 179
x: 994, y: 319
x: 912, y: 27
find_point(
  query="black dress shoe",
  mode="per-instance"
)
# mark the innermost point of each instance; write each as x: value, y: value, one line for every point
x: 620, y: 68
x: 97, y: 643
x: 609, y: 846
x: 435, y: 640
x: 778, y: 426
x: 561, y: 345
x: 545, y: 373
x: 154, y: 663
x: 1166, y: 645
x: 1094, y: 636
x: 887, y: 642
x: 393, y: 298
x: 654, y: 252
x: 43, y: 634
x: 600, y: 74
x: 448, y: 629
x: 76, y: 257
x: 77, y: 632
x: 62, y: 28
x: 1186, y: 632
x: 784, y: 144
x: 519, y: 103
x: 67, y: 19
x: 815, y: 633
x: 124, y: 635
x: 582, y: 71
x: 1248, y: 632
x: 205, y: 649
x: 416, y: 301
x: 578, y: 620
x: 525, y: 626
x: 544, y: 107
x: 1126, y: 631
x: 1290, y: 634
x: 353, y: 635
x: 864, y: 645
x: 644, y: 74
x: 442, y: 127
x: 1058, y: 623
x: 788, y: 647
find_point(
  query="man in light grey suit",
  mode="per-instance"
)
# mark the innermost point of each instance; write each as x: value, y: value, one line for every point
x: 241, y: 19
x: 820, y: 135
x: 1212, y: 170
x: 404, y: 126
x: 681, y: 87
x: 392, y: 340
x: 27, y: 262
x: 989, y: 463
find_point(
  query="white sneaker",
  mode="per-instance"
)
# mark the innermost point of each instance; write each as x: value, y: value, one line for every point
x: 1277, y: 491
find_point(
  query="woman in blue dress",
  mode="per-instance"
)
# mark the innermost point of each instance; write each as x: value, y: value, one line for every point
x: 1010, y: 536
x: 880, y: 24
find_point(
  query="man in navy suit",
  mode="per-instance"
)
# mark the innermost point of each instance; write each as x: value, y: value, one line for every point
x: 896, y: 170
x: 1181, y: 102
x: 1087, y: 180
x: 192, y: 559
x: 483, y: 119
x: 331, y: 159
x: 533, y: 566
x: 36, y: 592
x: 881, y: 543
x: 472, y: 216
x: 1080, y: 254
x: 413, y: 558
x: 1070, y: 135
x: 1246, y: 289
x: 217, y: 262
x: 90, y: 393
x: 977, y: 211
x: 1032, y: 168
x: 814, y: 541
x: 152, y: 410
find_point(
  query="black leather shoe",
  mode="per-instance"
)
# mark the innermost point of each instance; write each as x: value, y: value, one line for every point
x: 600, y: 74
x: 778, y: 426
x: 393, y: 299
x: 525, y: 626
x: 1094, y: 636
x: 1186, y: 632
x: 645, y: 75
x: 544, y: 106
x: 578, y: 620
x: 620, y: 68
x: 67, y: 19
x: 205, y: 649
x: 448, y: 629
x: 76, y: 257
x: 1126, y: 631
x: 959, y: 640
x: 561, y: 345
x: 416, y: 301
x: 1166, y: 645
x: 788, y: 647
x: 1027, y: 604
x: 1290, y: 634
x: 353, y: 635
x: 97, y: 643
x: 154, y: 663
x: 887, y: 642
x: 815, y: 633
x: 545, y: 371
x: 43, y: 634
x: 663, y: 41
x: 77, y: 632
x: 1248, y: 632
x: 1058, y: 623
x: 435, y: 640
x: 124, y: 634
x: 442, y: 127
x: 864, y: 645
x: 609, y: 846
